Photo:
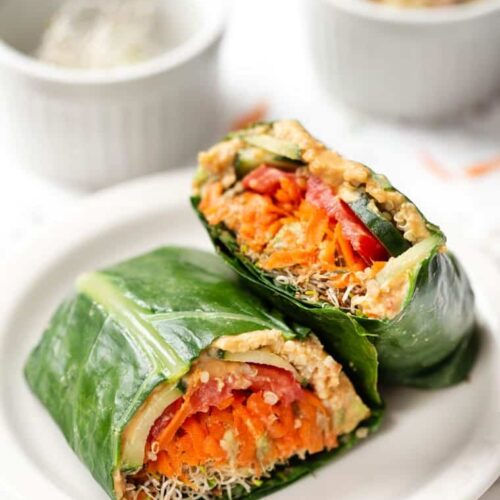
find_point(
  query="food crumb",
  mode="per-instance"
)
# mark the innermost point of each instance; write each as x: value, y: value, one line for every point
x: 270, y: 398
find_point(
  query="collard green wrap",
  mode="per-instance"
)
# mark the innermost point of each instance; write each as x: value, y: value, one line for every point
x: 242, y: 182
x: 431, y: 343
x: 135, y: 325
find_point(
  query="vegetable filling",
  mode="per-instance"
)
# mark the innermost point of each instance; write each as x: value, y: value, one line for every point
x: 237, y: 421
x: 310, y: 219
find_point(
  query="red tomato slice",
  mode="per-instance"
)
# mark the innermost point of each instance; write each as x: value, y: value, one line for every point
x: 265, y: 179
x: 361, y: 239
x: 277, y: 380
x: 267, y: 378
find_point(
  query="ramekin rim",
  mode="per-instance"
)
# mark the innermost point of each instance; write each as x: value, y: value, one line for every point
x: 450, y: 14
x: 171, y: 59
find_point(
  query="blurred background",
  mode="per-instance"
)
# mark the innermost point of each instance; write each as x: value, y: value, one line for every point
x: 267, y: 65
x: 412, y: 92
x: 277, y: 59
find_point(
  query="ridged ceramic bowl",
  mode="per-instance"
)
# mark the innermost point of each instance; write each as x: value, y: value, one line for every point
x: 419, y: 64
x: 97, y: 127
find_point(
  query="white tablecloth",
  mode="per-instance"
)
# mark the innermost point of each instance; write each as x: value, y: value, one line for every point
x: 263, y: 59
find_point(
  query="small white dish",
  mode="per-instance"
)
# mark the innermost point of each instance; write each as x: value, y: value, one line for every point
x: 433, y: 445
x: 419, y: 64
x: 93, y: 128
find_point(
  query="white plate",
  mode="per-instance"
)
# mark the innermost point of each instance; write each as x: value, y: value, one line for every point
x: 433, y: 445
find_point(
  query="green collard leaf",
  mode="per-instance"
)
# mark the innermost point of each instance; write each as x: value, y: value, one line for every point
x: 131, y: 327
x: 433, y: 332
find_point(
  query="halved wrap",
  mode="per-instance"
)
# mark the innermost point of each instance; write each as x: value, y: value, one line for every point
x: 324, y: 237
x: 169, y: 380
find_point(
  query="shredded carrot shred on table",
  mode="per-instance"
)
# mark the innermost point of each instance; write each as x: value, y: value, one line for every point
x: 483, y: 168
x: 434, y: 167
x: 475, y: 170
x: 257, y: 113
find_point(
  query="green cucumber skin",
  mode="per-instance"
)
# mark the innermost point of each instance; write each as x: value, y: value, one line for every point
x: 384, y: 230
x: 275, y: 146
x: 244, y: 163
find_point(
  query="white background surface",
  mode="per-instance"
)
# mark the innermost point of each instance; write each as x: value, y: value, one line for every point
x: 264, y: 57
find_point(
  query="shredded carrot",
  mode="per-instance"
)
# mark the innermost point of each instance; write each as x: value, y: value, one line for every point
x: 289, y: 440
x: 211, y: 204
x: 284, y: 228
x: 211, y: 448
x: 287, y: 258
x: 247, y: 442
x: 197, y: 435
x: 328, y: 252
x: 343, y: 279
x: 317, y: 222
x: 483, y: 168
x: 289, y: 193
x: 282, y: 425
x: 345, y: 248
x: 226, y: 403
x: 378, y: 266
x: 169, y: 431
x: 257, y: 219
x: 198, y: 438
x: 257, y: 113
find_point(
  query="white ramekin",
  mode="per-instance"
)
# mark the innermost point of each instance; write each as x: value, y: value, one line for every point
x: 419, y: 64
x: 95, y: 128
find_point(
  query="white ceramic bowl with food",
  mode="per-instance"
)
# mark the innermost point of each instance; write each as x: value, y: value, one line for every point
x: 420, y: 64
x: 97, y: 127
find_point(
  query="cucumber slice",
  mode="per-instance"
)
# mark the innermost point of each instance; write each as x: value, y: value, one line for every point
x: 137, y: 431
x: 261, y: 358
x: 385, y: 231
x: 407, y: 261
x: 276, y: 146
x: 249, y: 159
x: 253, y: 129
